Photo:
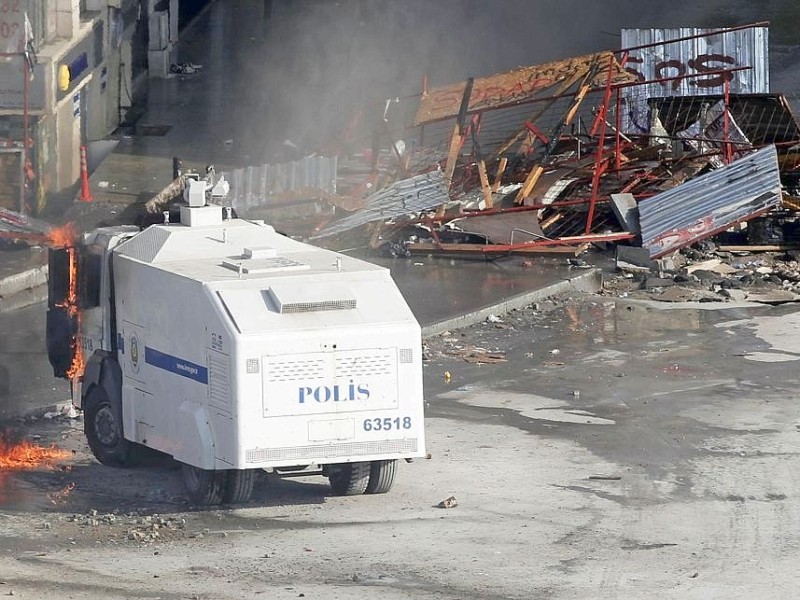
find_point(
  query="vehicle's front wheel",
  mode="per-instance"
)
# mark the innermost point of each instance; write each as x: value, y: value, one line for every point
x: 102, y: 424
x: 349, y: 479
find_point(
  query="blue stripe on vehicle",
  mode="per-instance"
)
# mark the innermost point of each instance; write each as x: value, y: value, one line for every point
x: 176, y: 365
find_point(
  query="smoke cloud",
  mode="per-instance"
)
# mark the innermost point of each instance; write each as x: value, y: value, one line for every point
x: 316, y: 63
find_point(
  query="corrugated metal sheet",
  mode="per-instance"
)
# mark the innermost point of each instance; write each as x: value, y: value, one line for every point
x: 748, y: 47
x: 257, y: 186
x: 406, y: 197
x: 711, y: 203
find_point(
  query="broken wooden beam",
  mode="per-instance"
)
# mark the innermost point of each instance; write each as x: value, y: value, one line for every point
x: 485, y: 188
x: 530, y: 183
x: 498, y: 178
x: 490, y: 249
x: 762, y: 248
x: 456, y: 142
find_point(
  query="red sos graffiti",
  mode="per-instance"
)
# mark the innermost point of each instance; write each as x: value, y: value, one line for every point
x: 669, y: 70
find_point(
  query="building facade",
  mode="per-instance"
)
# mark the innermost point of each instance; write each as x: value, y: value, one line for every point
x: 72, y: 72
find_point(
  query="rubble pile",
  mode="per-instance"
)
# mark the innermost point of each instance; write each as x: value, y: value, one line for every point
x: 708, y: 274
x: 583, y: 153
x: 132, y: 527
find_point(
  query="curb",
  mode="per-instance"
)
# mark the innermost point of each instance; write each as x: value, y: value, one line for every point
x: 25, y: 280
x: 590, y: 281
x: 23, y: 299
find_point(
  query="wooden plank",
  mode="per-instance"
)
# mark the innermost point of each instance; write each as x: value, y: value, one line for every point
x: 530, y: 183
x: 456, y: 142
x: 582, y: 91
x: 551, y: 220
x: 498, y: 178
x: 487, y: 191
x: 767, y: 248
x: 484, y: 249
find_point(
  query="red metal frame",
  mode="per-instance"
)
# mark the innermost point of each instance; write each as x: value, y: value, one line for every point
x: 608, y: 154
x: 726, y: 144
x: 600, y: 164
x: 537, y: 132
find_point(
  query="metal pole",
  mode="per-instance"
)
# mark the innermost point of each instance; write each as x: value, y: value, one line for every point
x: 599, y: 164
x: 22, y: 180
x: 25, y: 128
x: 728, y: 151
x: 711, y: 33
x: 617, y: 149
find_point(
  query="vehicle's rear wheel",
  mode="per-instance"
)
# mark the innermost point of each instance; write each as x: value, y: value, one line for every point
x: 102, y: 424
x: 239, y: 485
x: 349, y: 479
x: 381, y: 476
x: 203, y: 486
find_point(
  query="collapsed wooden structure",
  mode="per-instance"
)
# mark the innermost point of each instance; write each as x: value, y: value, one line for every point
x: 554, y: 157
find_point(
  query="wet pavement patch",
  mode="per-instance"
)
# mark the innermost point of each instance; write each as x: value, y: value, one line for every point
x: 153, y: 130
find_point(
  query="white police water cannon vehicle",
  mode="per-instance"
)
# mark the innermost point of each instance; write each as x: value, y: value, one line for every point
x: 236, y: 350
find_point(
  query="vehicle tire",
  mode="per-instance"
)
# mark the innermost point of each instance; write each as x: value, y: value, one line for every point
x: 349, y: 479
x: 239, y: 485
x: 102, y: 424
x: 203, y: 486
x: 381, y: 476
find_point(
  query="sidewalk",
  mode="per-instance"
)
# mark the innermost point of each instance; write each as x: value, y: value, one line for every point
x: 23, y: 275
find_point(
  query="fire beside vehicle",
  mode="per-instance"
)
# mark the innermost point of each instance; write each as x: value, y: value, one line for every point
x: 235, y: 350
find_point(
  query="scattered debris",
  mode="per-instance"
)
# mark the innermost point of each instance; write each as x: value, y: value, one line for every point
x: 186, y: 68
x: 450, y: 502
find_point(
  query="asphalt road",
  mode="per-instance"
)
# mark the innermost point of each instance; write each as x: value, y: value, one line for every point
x: 621, y: 451
x: 26, y: 379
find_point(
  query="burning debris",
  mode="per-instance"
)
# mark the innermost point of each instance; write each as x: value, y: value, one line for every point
x: 61, y: 496
x: 25, y: 455
x: 16, y: 226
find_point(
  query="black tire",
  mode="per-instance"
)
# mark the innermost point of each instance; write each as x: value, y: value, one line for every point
x: 381, y: 476
x: 349, y: 479
x: 102, y: 424
x: 203, y: 486
x: 239, y: 486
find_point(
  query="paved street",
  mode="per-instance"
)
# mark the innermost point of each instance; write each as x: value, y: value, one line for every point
x: 603, y: 448
x: 26, y: 378
x: 622, y: 451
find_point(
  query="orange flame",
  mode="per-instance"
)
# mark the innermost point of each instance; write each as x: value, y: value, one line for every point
x: 66, y: 237
x: 63, y: 237
x: 24, y: 455
x: 78, y: 360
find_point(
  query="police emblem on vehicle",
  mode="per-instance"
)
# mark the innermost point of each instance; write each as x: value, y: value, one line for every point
x: 134, y: 353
